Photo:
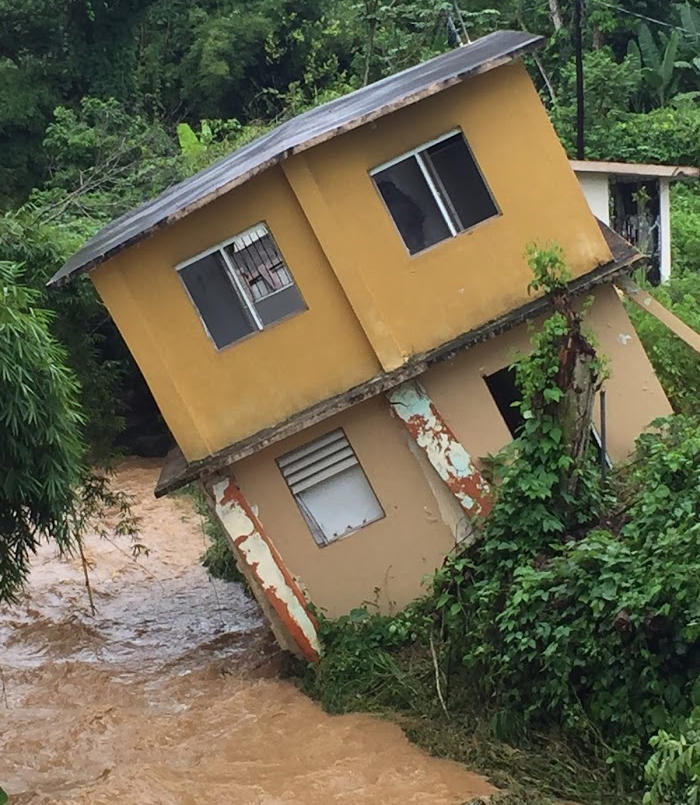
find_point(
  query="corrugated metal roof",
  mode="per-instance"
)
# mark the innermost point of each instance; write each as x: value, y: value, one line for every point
x: 313, y: 127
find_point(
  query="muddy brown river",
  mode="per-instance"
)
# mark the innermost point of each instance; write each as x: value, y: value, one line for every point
x: 169, y: 695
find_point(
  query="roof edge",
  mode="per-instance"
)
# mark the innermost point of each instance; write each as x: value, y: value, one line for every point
x: 177, y: 472
x: 511, y: 54
x: 635, y: 168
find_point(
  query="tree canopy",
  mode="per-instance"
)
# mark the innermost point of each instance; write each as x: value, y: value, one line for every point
x: 104, y: 104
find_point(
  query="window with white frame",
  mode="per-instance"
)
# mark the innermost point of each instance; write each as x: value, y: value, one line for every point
x: 241, y: 286
x: 435, y: 191
x: 330, y: 488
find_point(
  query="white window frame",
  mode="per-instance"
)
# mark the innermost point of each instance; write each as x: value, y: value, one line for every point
x: 416, y: 152
x: 347, y: 459
x: 261, y: 229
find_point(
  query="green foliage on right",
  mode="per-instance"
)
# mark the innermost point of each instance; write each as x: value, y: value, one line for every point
x: 673, y: 771
x: 676, y: 364
x: 685, y: 227
x: 575, y: 616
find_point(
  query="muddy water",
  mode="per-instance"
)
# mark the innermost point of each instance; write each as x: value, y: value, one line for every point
x: 168, y: 694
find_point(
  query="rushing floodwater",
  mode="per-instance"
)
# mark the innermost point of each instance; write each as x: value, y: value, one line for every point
x: 169, y: 695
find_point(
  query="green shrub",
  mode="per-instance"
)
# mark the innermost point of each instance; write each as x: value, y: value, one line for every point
x: 676, y: 364
x: 685, y: 228
x: 673, y: 771
x: 577, y: 613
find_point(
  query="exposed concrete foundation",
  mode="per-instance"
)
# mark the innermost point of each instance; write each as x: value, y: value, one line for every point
x: 278, y: 594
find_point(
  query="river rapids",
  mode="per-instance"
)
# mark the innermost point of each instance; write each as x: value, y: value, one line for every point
x: 169, y: 693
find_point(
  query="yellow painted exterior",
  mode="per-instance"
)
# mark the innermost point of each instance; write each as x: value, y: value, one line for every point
x: 210, y: 398
x: 386, y: 561
x: 370, y: 304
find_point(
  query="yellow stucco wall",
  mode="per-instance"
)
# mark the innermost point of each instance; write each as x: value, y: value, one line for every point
x: 386, y: 561
x: 382, y: 563
x: 370, y: 305
x: 460, y: 283
x: 210, y: 398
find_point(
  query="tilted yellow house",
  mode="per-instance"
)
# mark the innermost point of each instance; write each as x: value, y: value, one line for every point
x: 326, y: 318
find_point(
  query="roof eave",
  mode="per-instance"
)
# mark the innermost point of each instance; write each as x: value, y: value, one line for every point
x: 640, y: 169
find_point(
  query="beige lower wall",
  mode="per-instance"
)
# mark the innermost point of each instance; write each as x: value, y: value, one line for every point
x: 383, y: 562
x: 386, y: 561
x: 633, y: 394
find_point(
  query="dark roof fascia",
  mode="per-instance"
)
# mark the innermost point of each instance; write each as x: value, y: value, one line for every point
x: 296, y: 135
x: 177, y: 472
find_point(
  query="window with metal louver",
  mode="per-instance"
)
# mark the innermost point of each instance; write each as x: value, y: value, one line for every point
x: 330, y: 487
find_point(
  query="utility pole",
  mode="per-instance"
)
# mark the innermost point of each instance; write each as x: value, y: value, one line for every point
x: 465, y: 33
x: 580, y: 137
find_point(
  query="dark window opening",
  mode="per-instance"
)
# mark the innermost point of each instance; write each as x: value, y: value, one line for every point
x: 226, y: 317
x: 435, y: 192
x: 241, y: 286
x: 506, y: 394
x: 636, y: 216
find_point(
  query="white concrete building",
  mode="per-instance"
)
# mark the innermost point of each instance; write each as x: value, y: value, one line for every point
x: 634, y: 200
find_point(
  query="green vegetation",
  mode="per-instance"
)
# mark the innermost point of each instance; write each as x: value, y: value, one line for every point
x: 48, y: 491
x: 218, y: 558
x: 673, y: 771
x: 41, y: 447
x: 573, y: 622
x: 676, y: 364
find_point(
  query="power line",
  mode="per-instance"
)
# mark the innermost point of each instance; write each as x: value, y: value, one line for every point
x: 643, y: 17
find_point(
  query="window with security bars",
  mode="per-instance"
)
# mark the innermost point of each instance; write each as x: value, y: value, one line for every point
x: 241, y: 286
x: 330, y: 487
x: 435, y: 191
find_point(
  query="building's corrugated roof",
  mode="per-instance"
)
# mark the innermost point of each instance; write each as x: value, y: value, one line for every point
x: 311, y: 128
x: 637, y: 169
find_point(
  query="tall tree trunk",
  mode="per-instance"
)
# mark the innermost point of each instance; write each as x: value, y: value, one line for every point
x: 578, y: 378
x: 555, y: 14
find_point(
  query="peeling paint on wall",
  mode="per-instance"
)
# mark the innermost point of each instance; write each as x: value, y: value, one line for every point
x: 267, y: 566
x: 452, y: 462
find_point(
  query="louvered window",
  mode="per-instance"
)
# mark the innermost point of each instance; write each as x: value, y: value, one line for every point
x: 241, y: 286
x: 330, y: 488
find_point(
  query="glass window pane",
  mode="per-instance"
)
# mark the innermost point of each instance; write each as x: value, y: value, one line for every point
x: 412, y: 205
x: 213, y: 293
x: 458, y: 178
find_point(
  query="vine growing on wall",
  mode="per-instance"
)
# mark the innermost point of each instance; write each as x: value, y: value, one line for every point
x: 576, y: 613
